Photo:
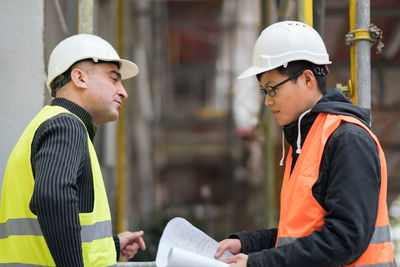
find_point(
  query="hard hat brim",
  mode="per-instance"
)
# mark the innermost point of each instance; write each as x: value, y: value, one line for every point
x: 128, y: 69
x: 252, y: 71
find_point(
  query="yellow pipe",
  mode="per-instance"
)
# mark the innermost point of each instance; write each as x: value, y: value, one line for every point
x: 121, y: 222
x: 353, y: 65
x: 305, y: 11
x: 85, y: 16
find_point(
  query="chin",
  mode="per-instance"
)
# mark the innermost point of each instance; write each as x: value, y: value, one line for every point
x: 284, y: 121
x: 115, y: 118
x: 281, y: 123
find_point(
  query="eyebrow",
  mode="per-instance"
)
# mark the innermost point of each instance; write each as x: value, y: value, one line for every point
x: 267, y: 83
x: 116, y: 73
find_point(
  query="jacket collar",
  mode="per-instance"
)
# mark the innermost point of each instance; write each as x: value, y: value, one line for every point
x: 291, y: 130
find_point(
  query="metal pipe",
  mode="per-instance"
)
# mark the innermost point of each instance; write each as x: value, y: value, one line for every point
x: 121, y: 159
x: 61, y: 18
x: 85, y: 16
x: 305, y: 11
x: 267, y: 122
x: 363, y: 55
x: 353, y: 67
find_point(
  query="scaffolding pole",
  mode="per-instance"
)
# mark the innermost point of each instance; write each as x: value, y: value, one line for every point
x: 353, y: 80
x: 85, y: 16
x: 363, y: 54
x: 121, y: 159
x: 267, y: 122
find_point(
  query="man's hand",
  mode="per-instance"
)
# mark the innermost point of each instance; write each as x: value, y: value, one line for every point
x: 130, y: 242
x: 240, y: 260
x: 233, y: 245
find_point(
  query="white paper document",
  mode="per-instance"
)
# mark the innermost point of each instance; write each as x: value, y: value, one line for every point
x: 183, y: 245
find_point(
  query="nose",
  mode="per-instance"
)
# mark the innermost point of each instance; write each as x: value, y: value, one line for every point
x: 122, y: 92
x: 268, y: 100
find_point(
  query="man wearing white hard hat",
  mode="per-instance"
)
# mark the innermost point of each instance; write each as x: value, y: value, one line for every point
x: 54, y: 209
x: 333, y: 200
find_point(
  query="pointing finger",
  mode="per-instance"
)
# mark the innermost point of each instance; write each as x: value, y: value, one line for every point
x: 141, y: 243
x: 136, y: 235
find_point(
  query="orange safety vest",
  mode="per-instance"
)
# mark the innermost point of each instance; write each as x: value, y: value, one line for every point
x: 301, y: 214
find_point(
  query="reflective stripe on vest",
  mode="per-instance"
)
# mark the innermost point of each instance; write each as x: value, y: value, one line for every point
x: 386, y: 264
x: 19, y: 228
x: 381, y: 235
x: 16, y: 264
x: 30, y: 226
x: 301, y: 218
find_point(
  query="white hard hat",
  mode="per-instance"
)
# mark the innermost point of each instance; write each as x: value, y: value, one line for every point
x: 283, y: 42
x: 85, y: 46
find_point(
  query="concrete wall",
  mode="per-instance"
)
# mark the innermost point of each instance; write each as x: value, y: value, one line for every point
x: 22, y: 70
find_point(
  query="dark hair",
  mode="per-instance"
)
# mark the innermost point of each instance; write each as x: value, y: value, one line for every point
x: 297, y: 66
x: 65, y: 77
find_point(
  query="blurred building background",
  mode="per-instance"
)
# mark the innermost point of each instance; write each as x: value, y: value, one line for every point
x: 193, y: 141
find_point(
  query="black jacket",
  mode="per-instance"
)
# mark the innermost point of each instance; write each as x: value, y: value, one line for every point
x: 347, y: 188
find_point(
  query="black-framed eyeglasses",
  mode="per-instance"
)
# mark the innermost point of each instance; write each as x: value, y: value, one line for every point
x: 270, y: 90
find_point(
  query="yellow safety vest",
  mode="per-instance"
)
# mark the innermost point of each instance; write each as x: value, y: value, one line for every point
x: 21, y: 239
x: 301, y: 214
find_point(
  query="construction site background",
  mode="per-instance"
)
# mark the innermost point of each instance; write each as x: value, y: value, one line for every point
x: 195, y: 142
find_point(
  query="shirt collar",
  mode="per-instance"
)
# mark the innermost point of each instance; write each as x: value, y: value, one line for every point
x: 80, y: 112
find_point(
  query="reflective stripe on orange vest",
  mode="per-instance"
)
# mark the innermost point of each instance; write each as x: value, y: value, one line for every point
x: 381, y: 235
x: 301, y: 218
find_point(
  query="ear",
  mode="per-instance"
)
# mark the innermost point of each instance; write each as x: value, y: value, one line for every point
x: 309, y: 78
x: 79, y: 78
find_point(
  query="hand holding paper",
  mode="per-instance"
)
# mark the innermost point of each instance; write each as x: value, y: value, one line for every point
x: 183, y: 245
x: 232, y: 245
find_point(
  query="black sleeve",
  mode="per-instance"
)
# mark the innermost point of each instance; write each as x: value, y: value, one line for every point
x: 351, y: 200
x: 57, y: 151
x: 117, y: 245
x: 256, y: 240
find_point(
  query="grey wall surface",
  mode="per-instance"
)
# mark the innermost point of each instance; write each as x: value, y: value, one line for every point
x: 22, y: 70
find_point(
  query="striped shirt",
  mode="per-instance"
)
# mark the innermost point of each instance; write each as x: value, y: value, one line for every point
x: 63, y: 181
